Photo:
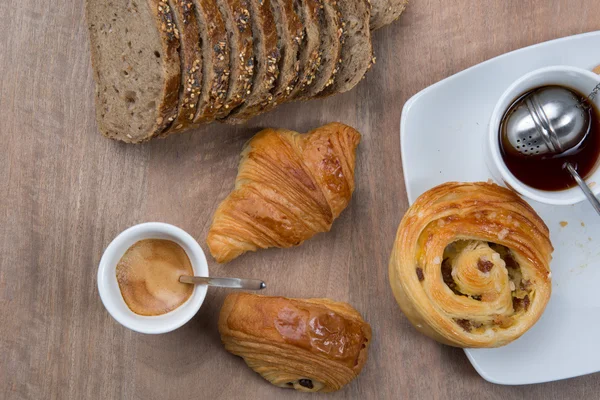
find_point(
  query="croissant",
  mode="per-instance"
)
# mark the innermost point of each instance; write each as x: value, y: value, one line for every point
x: 311, y: 345
x: 470, y: 265
x: 289, y: 187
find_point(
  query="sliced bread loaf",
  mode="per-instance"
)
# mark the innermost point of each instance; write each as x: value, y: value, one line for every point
x: 267, y: 61
x: 311, y: 15
x: 215, y: 61
x: 332, y: 37
x: 134, y: 47
x: 236, y: 14
x: 290, y: 35
x: 357, y: 50
x: 384, y: 12
x: 190, y: 55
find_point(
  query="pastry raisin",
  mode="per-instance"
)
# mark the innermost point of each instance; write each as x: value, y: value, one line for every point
x: 307, y: 383
x: 465, y: 324
x: 521, y: 304
x: 510, y: 261
x: 447, y: 274
x: 420, y: 274
x: 484, y: 265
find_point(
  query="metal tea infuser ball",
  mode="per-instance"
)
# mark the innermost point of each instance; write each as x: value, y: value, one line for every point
x: 549, y: 121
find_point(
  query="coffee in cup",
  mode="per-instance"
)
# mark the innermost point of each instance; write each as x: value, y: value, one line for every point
x: 148, y: 277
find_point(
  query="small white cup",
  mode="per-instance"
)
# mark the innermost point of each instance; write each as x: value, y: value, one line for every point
x: 109, y: 287
x: 575, y: 78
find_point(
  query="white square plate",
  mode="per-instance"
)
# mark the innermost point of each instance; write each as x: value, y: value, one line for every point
x: 441, y: 131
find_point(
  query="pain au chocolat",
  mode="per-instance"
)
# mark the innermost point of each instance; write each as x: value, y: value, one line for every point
x: 311, y: 345
x: 470, y: 265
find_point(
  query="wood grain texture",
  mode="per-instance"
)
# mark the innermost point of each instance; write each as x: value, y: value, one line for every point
x: 67, y: 192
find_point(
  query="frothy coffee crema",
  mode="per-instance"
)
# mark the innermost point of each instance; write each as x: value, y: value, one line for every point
x: 148, y: 276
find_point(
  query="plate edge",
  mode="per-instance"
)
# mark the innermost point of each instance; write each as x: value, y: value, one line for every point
x: 410, y: 102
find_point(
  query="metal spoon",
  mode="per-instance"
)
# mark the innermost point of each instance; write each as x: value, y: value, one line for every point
x: 234, y: 283
x: 550, y: 121
x: 586, y: 190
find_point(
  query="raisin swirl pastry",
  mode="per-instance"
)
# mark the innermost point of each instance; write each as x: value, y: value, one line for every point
x: 470, y: 265
x: 311, y: 345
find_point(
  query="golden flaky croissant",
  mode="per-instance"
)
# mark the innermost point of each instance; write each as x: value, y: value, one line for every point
x: 311, y: 345
x: 470, y: 265
x: 289, y: 187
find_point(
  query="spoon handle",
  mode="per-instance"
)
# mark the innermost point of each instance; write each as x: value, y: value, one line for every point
x: 586, y: 190
x: 234, y: 283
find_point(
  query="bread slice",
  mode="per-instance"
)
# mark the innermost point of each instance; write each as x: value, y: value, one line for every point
x: 311, y: 15
x: 357, y: 50
x: 215, y: 61
x: 290, y: 34
x: 331, y: 36
x: 384, y: 12
x: 134, y: 47
x: 236, y: 14
x: 267, y: 61
x: 190, y: 55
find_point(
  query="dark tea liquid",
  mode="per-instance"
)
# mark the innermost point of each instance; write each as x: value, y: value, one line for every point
x: 547, y: 173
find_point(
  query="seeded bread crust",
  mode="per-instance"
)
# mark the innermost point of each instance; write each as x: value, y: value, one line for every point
x: 136, y: 67
x: 357, y: 50
x: 215, y: 61
x: 236, y: 14
x: 171, y: 43
x: 190, y: 55
x: 332, y: 38
x: 267, y: 61
x: 290, y: 35
x: 311, y: 14
x: 384, y: 12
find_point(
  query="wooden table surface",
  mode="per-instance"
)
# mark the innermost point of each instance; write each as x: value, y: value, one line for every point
x: 66, y: 192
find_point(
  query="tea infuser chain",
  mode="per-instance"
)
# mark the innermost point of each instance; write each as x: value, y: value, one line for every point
x: 587, y: 103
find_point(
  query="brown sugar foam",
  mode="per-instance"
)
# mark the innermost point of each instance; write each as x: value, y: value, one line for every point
x: 148, y: 276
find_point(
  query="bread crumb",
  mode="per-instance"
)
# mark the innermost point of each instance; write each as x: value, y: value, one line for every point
x: 563, y: 223
x: 549, y: 275
x: 582, y: 223
x: 592, y: 184
x: 503, y: 233
x: 597, y: 70
x: 437, y: 260
x: 512, y: 286
x: 441, y: 223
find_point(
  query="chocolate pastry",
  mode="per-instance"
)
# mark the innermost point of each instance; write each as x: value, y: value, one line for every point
x: 311, y: 345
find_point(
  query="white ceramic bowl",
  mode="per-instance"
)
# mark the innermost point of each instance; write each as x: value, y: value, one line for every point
x: 109, y: 287
x: 579, y: 79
